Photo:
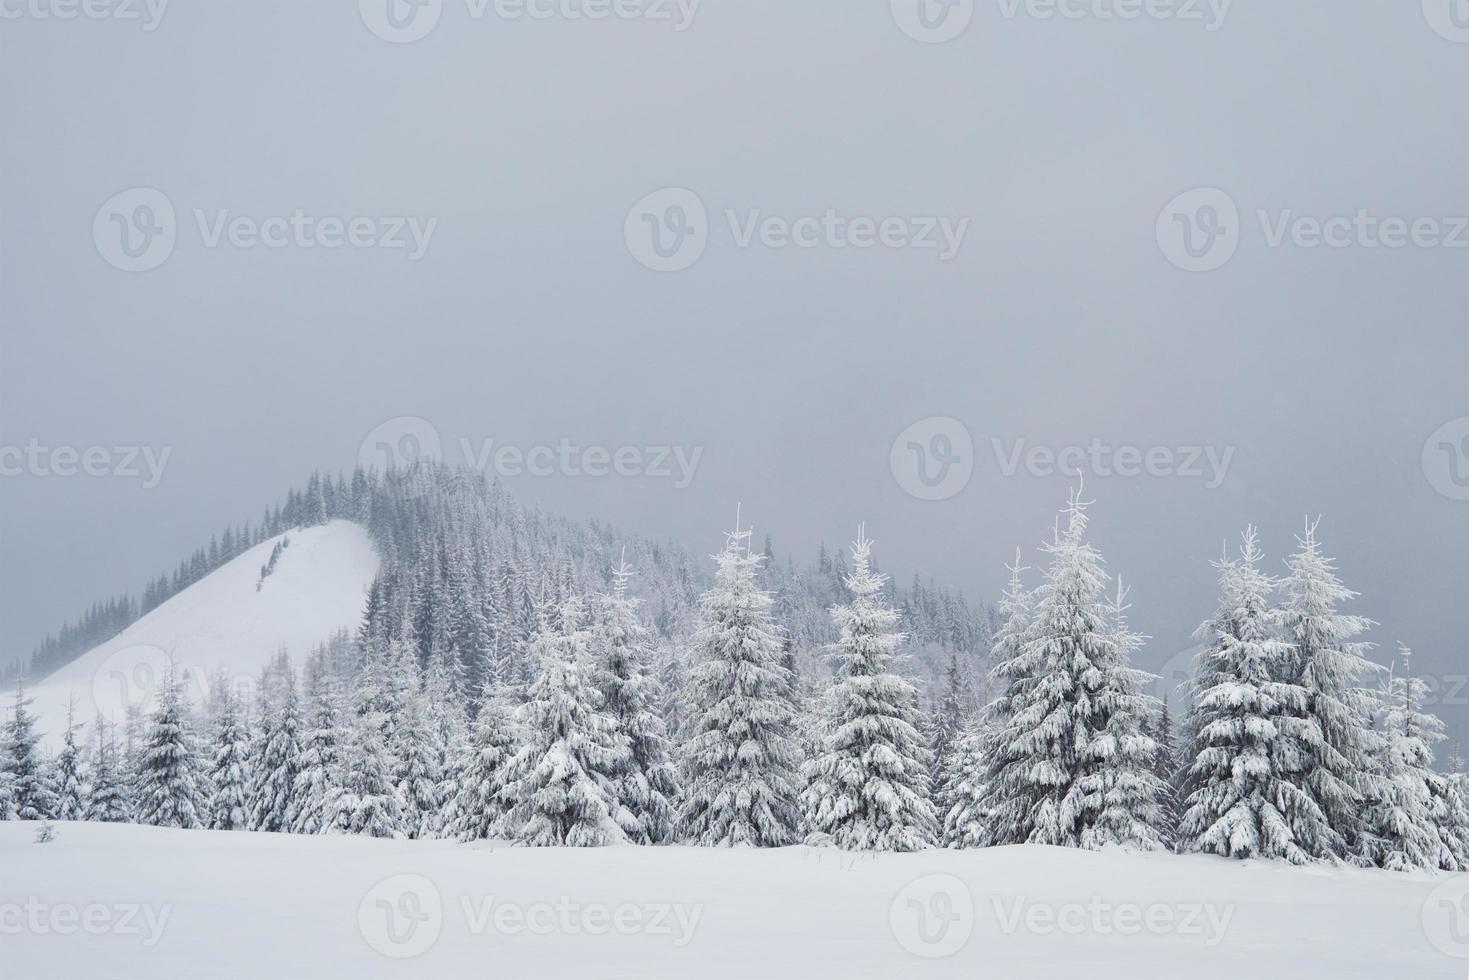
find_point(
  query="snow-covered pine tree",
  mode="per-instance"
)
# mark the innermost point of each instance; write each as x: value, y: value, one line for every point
x: 71, y: 791
x: 363, y: 800
x: 107, y: 795
x: 169, y: 781
x: 419, y: 773
x: 32, y: 793
x: 1071, y: 765
x: 320, y: 761
x: 671, y: 675
x: 562, y: 778
x: 1330, y: 663
x: 1400, y: 827
x: 276, y: 759
x: 1249, y: 729
x: 1165, y: 767
x: 945, y: 725
x: 967, y: 822
x: 1452, y: 816
x: 1010, y: 798
x: 1117, y: 771
x: 229, y: 767
x: 869, y: 787
x: 450, y: 718
x: 482, y: 803
x: 648, y: 786
x: 740, y: 757
x: 7, y: 791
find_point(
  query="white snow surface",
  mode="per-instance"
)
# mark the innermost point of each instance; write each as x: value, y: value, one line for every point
x: 319, y: 586
x: 243, y: 906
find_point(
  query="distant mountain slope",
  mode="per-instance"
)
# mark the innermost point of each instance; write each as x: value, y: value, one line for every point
x: 317, y: 588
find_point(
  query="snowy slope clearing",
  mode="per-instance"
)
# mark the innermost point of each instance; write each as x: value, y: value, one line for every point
x: 166, y: 904
x: 319, y: 586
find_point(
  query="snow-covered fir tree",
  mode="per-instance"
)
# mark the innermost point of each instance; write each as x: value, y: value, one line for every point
x: 740, y: 759
x: 32, y: 792
x: 275, y: 759
x: 1071, y: 765
x: 562, y: 777
x: 363, y: 799
x: 945, y: 725
x: 1165, y: 767
x: 1248, y: 729
x: 229, y: 767
x: 1010, y: 797
x: 1330, y: 663
x: 1121, y: 791
x: 482, y: 802
x: 71, y: 791
x: 869, y: 786
x: 450, y: 719
x: 171, y: 776
x: 1400, y: 831
x: 648, y: 786
x: 967, y: 821
x: 320, y: 762
x: 108, y: 788
x: 418, y: 775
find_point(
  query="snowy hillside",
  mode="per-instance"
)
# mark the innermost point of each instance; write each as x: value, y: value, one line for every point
x: 317, y: 587
x: 209, y: 904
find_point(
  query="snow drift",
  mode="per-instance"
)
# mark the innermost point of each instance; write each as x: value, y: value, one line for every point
x: 175, y: 903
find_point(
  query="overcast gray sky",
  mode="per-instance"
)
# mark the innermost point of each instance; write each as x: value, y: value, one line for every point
x: 1061, y: 310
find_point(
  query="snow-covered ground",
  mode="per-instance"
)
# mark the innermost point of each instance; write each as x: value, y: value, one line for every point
x: 318, y: 587
x: 126, y: 901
